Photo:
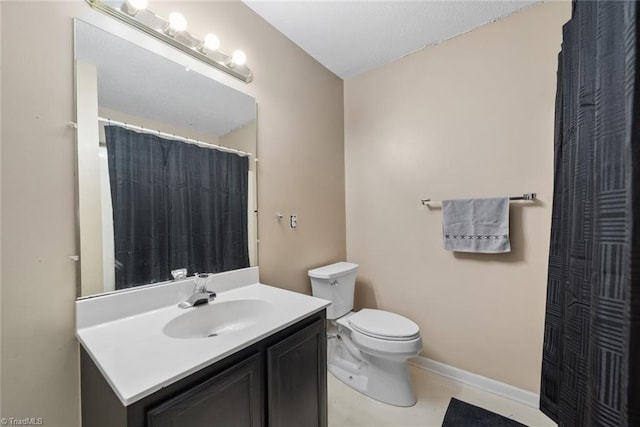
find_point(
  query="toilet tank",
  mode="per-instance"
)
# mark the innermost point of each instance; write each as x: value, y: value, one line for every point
x: 336, y: 283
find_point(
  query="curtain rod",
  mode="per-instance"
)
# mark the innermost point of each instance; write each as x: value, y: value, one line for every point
x: 525, y: 196
x: 173, y: 136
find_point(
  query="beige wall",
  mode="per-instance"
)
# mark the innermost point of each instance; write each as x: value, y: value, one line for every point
x: 300, y: 134
x: 0, y: 207
x: 39, y: 351
x: 471, y: 117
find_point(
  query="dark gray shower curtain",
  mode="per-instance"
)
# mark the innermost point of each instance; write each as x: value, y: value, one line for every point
x: 591, y: 356
x: 175, y: 205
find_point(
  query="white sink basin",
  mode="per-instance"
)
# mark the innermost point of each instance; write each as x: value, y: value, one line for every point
x: 218, y: 318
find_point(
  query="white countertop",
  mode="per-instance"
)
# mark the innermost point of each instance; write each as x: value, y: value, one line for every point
x: 138, y: 359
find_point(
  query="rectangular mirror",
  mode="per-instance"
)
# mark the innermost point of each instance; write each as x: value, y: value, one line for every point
x: 166, y: 167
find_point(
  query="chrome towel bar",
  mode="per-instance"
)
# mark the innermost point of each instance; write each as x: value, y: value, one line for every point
x: 525, y: 196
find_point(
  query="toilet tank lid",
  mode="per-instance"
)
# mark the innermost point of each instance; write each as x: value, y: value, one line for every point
x: 333, y: 270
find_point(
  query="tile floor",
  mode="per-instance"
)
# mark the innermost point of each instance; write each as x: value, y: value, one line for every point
x: 348, y: 408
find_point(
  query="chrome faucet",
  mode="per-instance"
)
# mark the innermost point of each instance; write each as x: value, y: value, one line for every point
x: 201, y: 295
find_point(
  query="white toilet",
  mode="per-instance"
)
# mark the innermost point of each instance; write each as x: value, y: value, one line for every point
x: 367, y: 350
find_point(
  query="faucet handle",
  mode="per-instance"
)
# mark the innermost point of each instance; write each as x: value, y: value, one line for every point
x: 201, y: 282
x: 179, y: 274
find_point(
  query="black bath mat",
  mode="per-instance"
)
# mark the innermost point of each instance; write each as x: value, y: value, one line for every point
x: 463, y: 414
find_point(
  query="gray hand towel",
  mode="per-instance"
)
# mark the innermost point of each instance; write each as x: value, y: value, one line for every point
x: 476, y: 225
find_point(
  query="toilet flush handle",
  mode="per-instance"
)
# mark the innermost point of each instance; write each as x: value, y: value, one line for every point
x: 334, y: 283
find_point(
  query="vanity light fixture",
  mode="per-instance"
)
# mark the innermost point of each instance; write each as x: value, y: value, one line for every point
x: 173, y: 32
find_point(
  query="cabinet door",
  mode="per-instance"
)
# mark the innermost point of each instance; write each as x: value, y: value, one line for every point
x: 297, y: 379
x: 233, y: 398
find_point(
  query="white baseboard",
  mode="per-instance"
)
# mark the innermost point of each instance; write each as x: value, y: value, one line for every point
x: 478, y: 381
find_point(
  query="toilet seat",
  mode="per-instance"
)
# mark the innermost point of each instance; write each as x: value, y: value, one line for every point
x: 383, y: 325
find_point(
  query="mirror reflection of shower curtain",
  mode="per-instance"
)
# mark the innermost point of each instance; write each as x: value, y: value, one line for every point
x: 591, y: 353
x: 175, y: 205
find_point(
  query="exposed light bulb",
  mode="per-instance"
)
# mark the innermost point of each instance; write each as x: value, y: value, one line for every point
x: 177, y: 23
x: 238, y: 58
x: 134, y: 6
x: 211, y: 42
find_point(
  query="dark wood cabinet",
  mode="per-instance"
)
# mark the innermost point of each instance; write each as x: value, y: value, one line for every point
x: 297, y: 379
x: 233, y: 398
x: 280, y: 381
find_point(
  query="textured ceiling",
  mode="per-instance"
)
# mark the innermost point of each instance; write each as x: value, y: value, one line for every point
x: 351, y: 37
x: 139, y: 82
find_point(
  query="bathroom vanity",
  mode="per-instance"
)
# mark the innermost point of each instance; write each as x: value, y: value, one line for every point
x: 254, y: 356
x: 165, y: 366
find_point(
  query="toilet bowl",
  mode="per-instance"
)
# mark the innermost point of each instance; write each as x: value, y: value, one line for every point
x: 367, y: 350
